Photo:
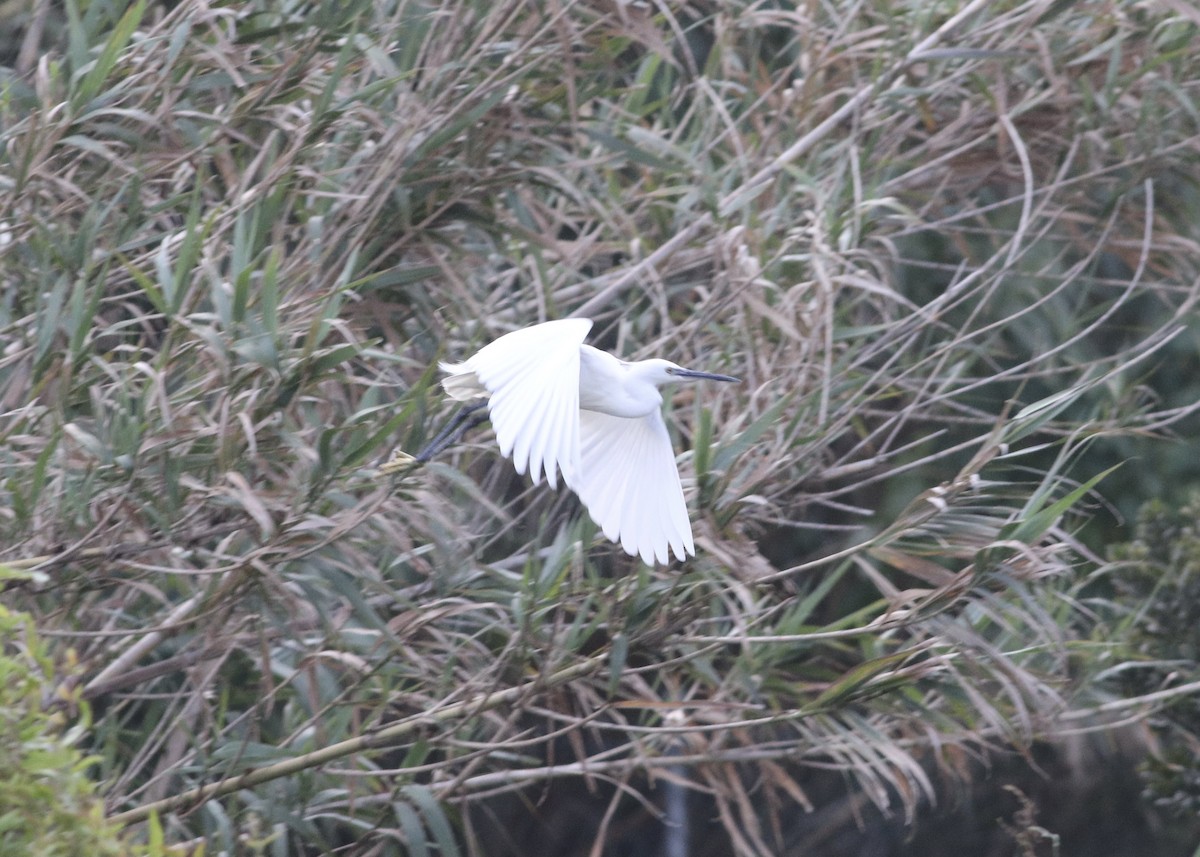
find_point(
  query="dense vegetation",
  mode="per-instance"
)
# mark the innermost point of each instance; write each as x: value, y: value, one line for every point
x: 49, y: 804
x: 950, y: 247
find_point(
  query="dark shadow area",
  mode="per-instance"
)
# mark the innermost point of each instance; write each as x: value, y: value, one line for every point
x: 1081, y: 797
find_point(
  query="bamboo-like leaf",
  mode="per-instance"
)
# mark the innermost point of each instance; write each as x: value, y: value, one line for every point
x: 414, y: 832
x: 859, y: 682
x: 745, y: 440
x: 435, y: 819
x: 118, y: 39
x: 618, y: 657
x: 1036, y: 522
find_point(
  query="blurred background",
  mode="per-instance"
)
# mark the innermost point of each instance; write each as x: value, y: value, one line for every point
x: 948, y: 586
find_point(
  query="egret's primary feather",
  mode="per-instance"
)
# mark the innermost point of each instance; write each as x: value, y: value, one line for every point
x: 532, y: 377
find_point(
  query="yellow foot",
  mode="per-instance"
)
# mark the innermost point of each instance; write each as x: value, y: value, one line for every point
x: 399, y: 461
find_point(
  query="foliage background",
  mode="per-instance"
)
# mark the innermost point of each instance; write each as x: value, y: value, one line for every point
x: 950, y: 247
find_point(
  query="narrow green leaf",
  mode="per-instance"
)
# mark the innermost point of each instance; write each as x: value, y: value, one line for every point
x: 454, y: 127
x: 727, y: 453
x: 401, y: 276
x: 167, y: 286
x: 355, y: 455
x: 157, y: 840
x: 48, y: 318
x: 153, y: 293
x: 850, y: 685
x: 1031, y: 528
x: 77, y: 42
x: 414, y: 831
x: 1033, y: 416
x: 241, y: 294
x: 8, y: 573
x: 795, y: 620
x: 37, y: 478
x: 702, y: 444
x: 622, y: 146
x: 268, y: 292
x: 85, y: 301
x: 435, y: 818
x: 618, y: 657
x: 331, y: 359
x: 117, y: 41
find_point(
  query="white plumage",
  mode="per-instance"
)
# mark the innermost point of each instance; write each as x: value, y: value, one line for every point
x: 559, y: 406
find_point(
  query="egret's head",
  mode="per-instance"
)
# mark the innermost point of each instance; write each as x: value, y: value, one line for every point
x: 671, y: 373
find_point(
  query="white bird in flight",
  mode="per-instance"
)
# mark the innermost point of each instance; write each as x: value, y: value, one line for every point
x: 559, y: 405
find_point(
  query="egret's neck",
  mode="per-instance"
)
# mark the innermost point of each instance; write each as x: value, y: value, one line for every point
x: 611, y: 387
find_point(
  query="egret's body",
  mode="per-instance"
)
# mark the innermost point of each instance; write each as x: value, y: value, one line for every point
x: 559, y: 406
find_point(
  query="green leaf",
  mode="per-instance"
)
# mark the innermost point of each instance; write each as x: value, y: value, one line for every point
x: 1032, y: 417
x: 853, y: 684
x: 117, y: 41
x: 435, y: 818
x: 729, y: 452
x: 702, y: 444
x: 1031, y: 527
x: 618, y: 656
x: 157, y: 840
x: 9, y: 573
x: 414, y: 831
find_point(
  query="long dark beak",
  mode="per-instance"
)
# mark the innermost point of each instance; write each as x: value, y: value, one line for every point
x: 706, y: 376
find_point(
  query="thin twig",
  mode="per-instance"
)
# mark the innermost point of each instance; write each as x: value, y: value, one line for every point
x: 382, y: 737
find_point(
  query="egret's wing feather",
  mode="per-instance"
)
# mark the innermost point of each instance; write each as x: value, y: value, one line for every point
x: 532, y: 376
x: 630, y: 485
x: 461, y: 383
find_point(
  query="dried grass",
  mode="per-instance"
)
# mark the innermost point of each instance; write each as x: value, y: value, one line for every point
x: 952, y: 257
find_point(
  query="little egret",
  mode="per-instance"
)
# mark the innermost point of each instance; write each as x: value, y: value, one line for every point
x: 559, y: 405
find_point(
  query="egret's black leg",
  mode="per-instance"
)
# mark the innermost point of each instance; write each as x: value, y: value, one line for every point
x: 465, y: 420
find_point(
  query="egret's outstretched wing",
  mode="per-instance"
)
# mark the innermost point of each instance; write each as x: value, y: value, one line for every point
x: 630, y: 485
x: 532, y: 377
